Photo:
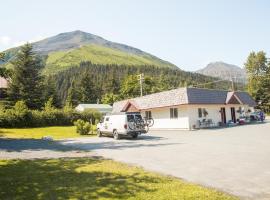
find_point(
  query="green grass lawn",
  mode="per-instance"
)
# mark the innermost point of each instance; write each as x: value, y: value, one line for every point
x: 57, y: 132
x: 89, y: 178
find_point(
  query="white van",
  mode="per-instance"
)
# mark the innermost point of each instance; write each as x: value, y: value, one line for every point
x: 122, y: 124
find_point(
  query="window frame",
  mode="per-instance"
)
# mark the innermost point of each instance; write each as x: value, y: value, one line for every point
x: 148, y: 114
x: 200, y: 112
x: 173, y: 113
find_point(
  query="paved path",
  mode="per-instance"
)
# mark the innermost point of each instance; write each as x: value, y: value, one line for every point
x: 235, y: 160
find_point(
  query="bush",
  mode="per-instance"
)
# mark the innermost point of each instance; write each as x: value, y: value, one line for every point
x: 82, y: 127
x: 20, y: 116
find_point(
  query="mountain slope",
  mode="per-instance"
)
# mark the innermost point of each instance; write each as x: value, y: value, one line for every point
x: 66, y: 49
x: 224, y: 71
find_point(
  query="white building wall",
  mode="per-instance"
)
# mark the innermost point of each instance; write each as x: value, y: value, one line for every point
x: 162, y: 119
x: 213, y: 113
x: 188, y: 115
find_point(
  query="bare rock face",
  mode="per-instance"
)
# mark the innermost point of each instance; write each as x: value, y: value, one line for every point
x: 224, y: 71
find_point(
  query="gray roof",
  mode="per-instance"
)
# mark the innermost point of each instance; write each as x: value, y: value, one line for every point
x: 182, y: 96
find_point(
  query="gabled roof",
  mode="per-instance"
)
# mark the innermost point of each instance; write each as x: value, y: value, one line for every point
x: 183, y: 96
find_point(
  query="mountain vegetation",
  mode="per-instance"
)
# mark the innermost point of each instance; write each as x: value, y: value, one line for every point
x: 116, y: 82
x: 258, y: 70
x: 78, y: 67
x: 224, y: 71
x: 69, y: 49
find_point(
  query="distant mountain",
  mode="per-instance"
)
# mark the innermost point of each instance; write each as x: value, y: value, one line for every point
x: 224, y: 71
x: 71, y: 48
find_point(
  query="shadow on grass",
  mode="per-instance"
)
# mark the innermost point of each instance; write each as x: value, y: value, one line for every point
x: 18, y: 145
x: 10, y: 144
x: 59, y: 179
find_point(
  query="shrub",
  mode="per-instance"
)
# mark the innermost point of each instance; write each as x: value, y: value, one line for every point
x: 82, y: 127
x: 20, y: 116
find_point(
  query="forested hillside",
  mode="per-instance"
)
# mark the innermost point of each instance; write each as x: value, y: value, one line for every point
x: 115, y: 82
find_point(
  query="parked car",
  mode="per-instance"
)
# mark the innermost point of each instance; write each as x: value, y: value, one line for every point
x: 256, y: 116
x: 122, y: 124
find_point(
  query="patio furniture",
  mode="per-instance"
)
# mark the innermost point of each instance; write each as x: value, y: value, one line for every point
x: 206, y: 123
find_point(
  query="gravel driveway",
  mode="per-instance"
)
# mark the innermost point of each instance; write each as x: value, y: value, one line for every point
x: 235, y: 160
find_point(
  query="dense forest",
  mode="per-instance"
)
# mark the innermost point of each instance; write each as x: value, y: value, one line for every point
x: 120, y: 82
x: 92, y: 83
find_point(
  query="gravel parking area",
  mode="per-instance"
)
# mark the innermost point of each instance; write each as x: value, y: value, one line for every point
x: 235, y: 160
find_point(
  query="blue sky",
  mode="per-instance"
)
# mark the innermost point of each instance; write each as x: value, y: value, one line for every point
x: 187, y: 33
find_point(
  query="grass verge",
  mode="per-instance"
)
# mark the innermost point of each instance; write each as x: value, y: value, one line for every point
x: 57, y: 132
x: 90, y: 178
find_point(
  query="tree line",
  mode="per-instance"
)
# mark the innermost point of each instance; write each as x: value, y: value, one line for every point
x: 92, y: 83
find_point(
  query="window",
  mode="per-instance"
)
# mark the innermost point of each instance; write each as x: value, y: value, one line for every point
x: 148, y: 114
x: 200, y: 112
x: 107, y: 119
x: 173, y: 113
x: 130, y: 118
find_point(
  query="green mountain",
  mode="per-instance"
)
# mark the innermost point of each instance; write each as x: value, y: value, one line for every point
x: 69, y: 49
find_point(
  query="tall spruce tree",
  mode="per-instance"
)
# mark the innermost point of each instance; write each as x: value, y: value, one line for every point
x: 87, y: 90
x: 50, y: 92
x: 26, y: 81
x: 72, y: 96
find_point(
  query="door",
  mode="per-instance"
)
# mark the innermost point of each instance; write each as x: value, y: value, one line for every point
x: 107, y: 125
x: 223, y: 115
x: 233, y: 114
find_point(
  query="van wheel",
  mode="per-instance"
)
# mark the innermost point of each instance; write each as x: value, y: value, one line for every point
x: 99, y: 134
x: 135, y: 135
x: 116, y: 136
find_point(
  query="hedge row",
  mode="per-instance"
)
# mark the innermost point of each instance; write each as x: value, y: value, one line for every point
x: 20, y: 116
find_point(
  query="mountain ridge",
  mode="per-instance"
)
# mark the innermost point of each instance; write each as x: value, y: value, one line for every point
x: 69, y: 41
x: 224, y: 71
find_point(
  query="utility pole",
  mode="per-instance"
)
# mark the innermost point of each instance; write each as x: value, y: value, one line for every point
x: 232, y: 84
x: 141, y: 79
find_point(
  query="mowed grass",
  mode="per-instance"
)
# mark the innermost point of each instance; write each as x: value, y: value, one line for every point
x: 57, y: 132
x: 90, y: 178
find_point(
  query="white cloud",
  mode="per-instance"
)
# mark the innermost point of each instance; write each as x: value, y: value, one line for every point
x: 5, y: 40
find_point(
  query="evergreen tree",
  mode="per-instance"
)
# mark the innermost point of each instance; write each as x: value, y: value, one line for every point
x: 87, y: 90
x: 110, y: 98
x: 26, y: 80
x: 258, y: 70
x: 50, y: 92
x: 72, y: 96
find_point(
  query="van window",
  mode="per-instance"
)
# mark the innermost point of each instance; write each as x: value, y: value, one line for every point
x: 107, y: 119
x: 138, y: 117
x: 130, y: 118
